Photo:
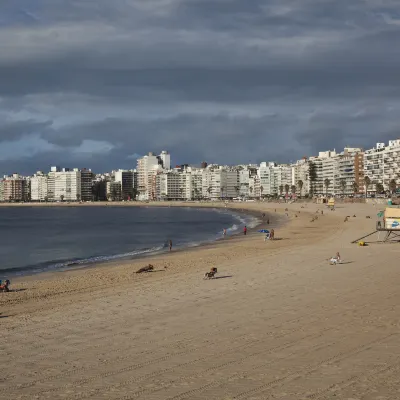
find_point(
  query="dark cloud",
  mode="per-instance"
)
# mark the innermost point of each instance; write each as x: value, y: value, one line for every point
x: 222, y: 80
x: 12, y: 131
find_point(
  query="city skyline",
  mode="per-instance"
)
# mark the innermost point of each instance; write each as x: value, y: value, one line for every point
x: 229, y: 81
x: 351, y: 172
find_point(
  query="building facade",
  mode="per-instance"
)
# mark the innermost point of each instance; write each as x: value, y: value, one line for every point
x: 126, y: 180
x: 87, y: 177
x: 67, y: 185
x: 39, y: 187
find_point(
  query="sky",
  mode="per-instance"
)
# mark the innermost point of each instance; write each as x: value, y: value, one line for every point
x: 99, y: 83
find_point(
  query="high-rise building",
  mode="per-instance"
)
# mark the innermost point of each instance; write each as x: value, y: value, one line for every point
x: 220, y: 183
x: 51, y: 184
x: 14, y: 188
x: 165, y: 158
x: 39, y: 187
x: 67, y: 185
x: 125, y: 179
x: 382, y: 165
x: 113, y: 191
x: 147, y: 169
x: 87, y: 177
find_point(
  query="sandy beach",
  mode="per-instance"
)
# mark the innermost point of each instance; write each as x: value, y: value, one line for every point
x: 279, y: 323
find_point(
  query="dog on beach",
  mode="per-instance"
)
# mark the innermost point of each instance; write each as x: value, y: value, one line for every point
x: 211, y: 274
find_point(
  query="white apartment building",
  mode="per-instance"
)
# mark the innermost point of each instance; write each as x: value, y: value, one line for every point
x: 382, y: 164
x: 51, y: 184
x: 39, y: 187
x: 220, y: 183
x: 265, y: 175
x: 147, y: 169
x: 67, y: 185
x: 300, y: 177
x: 246, y: 173
x: 349, y: 172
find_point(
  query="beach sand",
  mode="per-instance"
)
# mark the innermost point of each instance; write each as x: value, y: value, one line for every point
x: 280, y: 322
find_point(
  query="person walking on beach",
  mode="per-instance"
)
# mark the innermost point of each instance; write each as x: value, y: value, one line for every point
x: 224, y: 232
x: 170, y: 245
x: 268, y: 221
x: 272, y: 235
x: 245, y: 231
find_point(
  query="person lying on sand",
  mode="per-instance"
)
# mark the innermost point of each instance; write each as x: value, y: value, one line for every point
x: 148, y: 268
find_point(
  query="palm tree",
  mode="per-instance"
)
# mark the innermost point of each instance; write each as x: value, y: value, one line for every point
x: 261, y: 190
x: 343, y: 185
x: 300, y: 183
x: 222, y: 192
x: 355, y: 187
x: 287, y: 188
x: 62, y: 198
x: 293, y: 189
x: 392, y: 186
x: 379, y: 188
x: 281, y: 189
x: 367, y: 181
x: 209, y: 191
x: 327, y: 183
x: 251, y: 189
x: 78, y: 197
x: 181, y: 192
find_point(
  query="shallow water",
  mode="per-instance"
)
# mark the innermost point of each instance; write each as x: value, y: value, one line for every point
x: 35, y: 239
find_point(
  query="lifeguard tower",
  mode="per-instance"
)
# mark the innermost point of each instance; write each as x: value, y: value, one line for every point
x: 389, y: 224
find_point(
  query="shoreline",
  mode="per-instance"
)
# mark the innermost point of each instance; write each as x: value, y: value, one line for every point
x: 92, y: 277
x: 19, y: 273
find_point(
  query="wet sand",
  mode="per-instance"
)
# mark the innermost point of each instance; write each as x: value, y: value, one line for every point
x: 280, y: 322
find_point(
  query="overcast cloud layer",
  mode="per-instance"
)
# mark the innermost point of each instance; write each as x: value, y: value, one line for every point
x: 87, y: 83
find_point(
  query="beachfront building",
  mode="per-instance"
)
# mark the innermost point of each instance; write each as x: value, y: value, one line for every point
x: 39, y: 187
x: 125, y: 179
x: 171, y: 185
x: 1, y: 190
x: 14, y: 188
x: 180, y: 183
x: 220, y: 182
x: 265, y: 177
x: 147, y: 169
x: 391, y: 164
x: 196, y: 183
x: 87, y: 177
x: 300, y: 177
x: 245, y: 174
x: 67, y: 185
x: 113, y: 191
x: 382, y: 165
x: 51, y: 183
x: 99, y: 188
x: 349, y: 179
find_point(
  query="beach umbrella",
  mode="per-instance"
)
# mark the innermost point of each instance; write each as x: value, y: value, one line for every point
x: 263, y: 231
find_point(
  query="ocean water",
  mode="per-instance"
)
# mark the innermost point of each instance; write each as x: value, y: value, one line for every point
x: 35, y: 239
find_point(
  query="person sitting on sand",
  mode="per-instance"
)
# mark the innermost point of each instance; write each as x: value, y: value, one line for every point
x: 4, y: 286
x: 335, y: 260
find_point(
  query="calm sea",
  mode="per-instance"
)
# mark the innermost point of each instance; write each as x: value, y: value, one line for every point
x: 34, y: 239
